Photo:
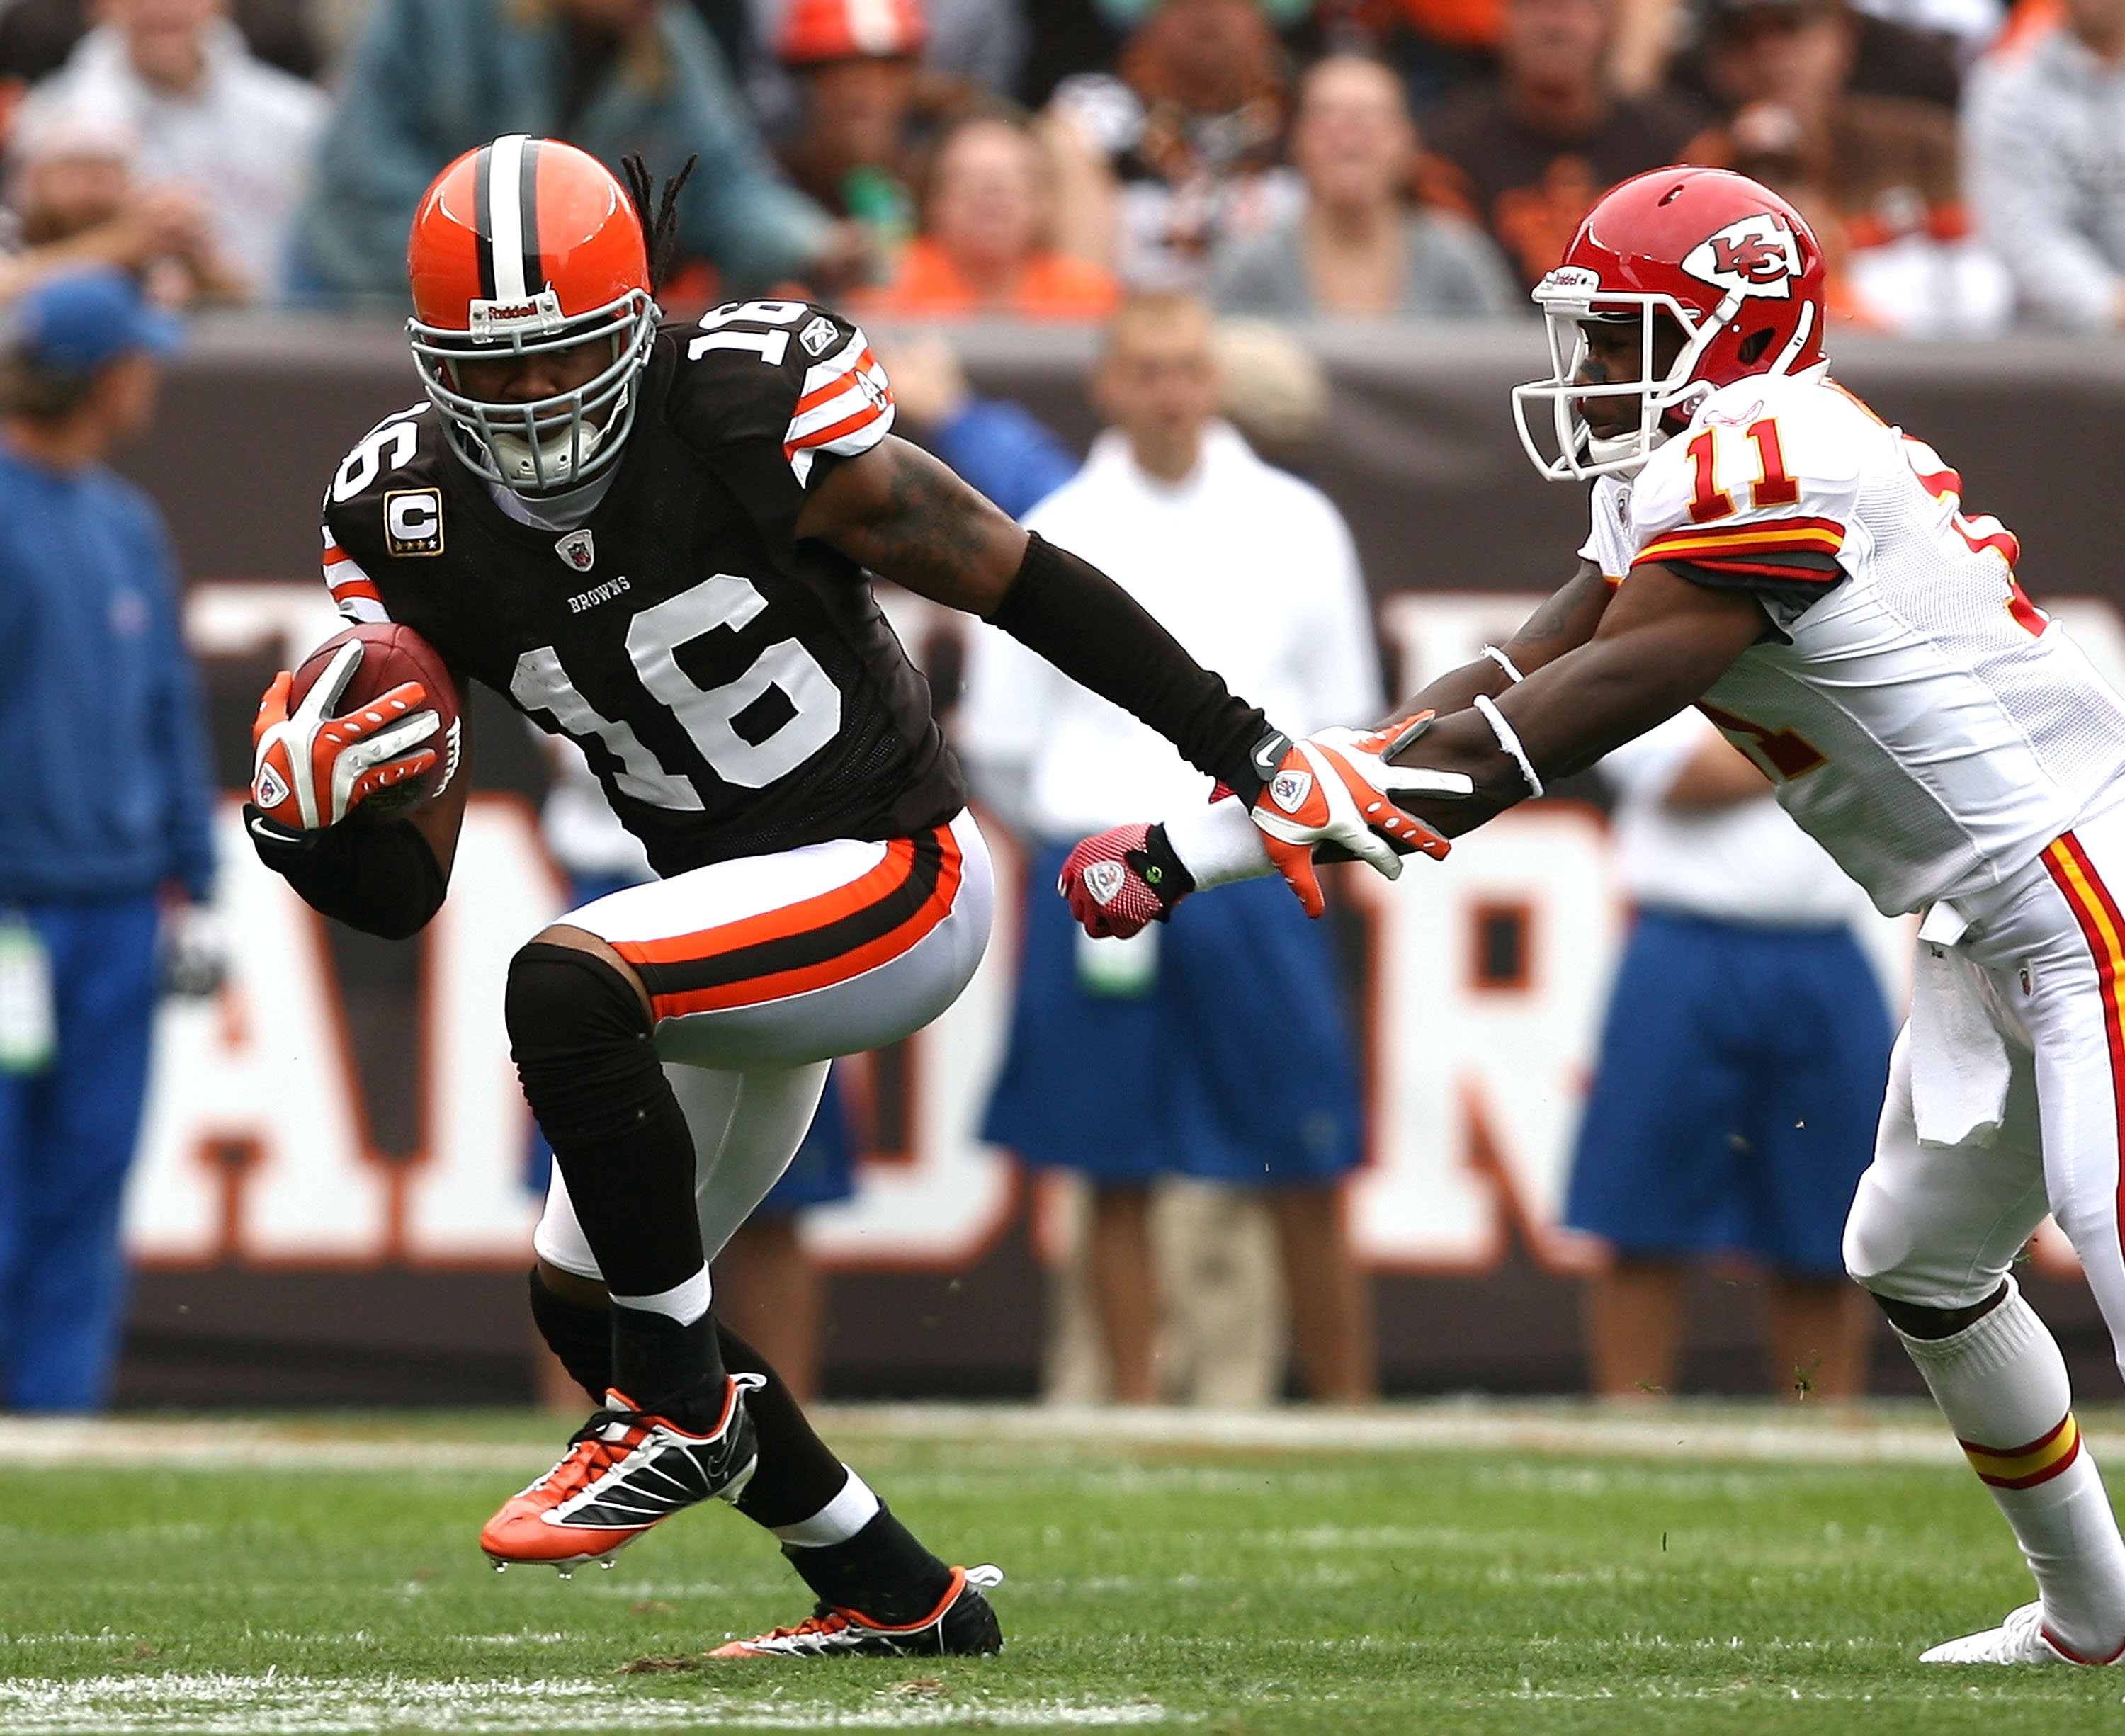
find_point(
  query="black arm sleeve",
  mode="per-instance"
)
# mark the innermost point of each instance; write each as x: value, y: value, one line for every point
x: 382, y: 879
x: 1100, y: 637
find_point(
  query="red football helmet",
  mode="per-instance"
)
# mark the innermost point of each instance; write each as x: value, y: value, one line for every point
x: 522, y: 247
x: 1730, y: 262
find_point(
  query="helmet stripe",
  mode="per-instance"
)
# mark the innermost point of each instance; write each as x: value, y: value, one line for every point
x: 527, y: 206
x: 504, y: 184
x: 481, y: 228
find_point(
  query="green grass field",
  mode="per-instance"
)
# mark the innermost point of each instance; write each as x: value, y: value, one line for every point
x: 1586, y: 1577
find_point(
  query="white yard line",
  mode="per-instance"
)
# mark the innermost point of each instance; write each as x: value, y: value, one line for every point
x: 219, y: 1705
x: 1899, y: 1434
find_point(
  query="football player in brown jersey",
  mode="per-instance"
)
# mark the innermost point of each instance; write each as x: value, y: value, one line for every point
x: 657, y: 540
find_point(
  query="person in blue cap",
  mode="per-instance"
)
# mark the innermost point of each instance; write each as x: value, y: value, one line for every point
x: 104, y: 805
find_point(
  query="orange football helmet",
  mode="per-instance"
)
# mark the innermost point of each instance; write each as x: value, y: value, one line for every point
x: 522, y: 247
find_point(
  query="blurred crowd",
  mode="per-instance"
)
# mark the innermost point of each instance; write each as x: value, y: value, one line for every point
x: 1963, y: 161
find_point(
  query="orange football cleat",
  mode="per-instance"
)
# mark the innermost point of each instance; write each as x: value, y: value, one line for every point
x: 626, y: 1471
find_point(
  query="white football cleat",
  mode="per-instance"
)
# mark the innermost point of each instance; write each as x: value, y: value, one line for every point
x: 2020, y: 1638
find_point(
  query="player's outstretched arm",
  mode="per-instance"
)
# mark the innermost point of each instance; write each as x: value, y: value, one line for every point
x: 897, y: 511
x: 1660, y: 644
x: 1566, y: 621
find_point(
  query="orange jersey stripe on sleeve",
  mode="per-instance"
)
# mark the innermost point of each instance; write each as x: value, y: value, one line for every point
x: 1815, y: 536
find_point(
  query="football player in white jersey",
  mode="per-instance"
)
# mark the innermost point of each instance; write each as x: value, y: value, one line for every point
x: 1766, y: 547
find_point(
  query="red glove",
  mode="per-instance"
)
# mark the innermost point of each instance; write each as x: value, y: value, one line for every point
x: 310, y: 770
x: 1115, y: 882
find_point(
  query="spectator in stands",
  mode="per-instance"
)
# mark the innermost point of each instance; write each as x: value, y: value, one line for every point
x: 984, y: 249
x: 429, y: 79
x: 2044, y: 159
x: 1894, y: 52
x: 1356, y: 248
x: 1276, y: 392
x: 856, y: 66
x: 1435, y: 46
x: 977, y: 47
x: 1741, y: 1072
x: 37, y: 35
x: 1176, y: 154
x: 103, y: 798
x: 1131, y: 1060
x: 206, y: 114
x: 1876, y: 175
x: 73, y: 202
x: 1526, y: 155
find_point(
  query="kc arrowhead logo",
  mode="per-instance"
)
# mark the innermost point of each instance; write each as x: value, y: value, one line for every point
x: 1105, y: 880
x: 1753, y: 256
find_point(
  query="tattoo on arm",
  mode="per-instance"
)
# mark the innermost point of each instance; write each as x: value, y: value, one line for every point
x: 899, y: 512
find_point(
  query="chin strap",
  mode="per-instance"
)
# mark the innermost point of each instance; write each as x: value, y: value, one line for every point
x: 1791, y: 354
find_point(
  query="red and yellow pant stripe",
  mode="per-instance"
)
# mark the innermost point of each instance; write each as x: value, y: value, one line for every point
x: 2025, y: 1467
x: 2103, y: 927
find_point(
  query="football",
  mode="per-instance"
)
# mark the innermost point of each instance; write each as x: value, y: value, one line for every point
x: 392, y: 654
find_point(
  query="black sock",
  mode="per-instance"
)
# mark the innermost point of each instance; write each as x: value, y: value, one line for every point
x: 579, y: 1334
x: 673, y: 1371
x: 798, y: 1473
x: 882, y: 1572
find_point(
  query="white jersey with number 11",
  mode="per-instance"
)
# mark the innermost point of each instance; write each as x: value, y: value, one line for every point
x: 1930, y: 725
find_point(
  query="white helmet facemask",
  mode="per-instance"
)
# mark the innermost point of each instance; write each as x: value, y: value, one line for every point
x: 548, y: 444
x: 1570, y: 299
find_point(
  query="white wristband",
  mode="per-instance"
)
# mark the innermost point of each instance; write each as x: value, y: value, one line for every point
x: 1219, y: 844
x: 1509, y: 741
x: 1504, y: 662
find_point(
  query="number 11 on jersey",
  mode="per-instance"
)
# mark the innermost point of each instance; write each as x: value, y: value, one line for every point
x: 1773, y: 485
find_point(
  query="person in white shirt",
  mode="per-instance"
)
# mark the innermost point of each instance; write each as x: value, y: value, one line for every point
x: 1741, y: 1071
x: 206, y: 114
x: 1130, y: 1060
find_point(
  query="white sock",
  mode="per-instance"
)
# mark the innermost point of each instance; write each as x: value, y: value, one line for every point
x: 836, y: 1522
x: 686, y: 1302
x: 2002, y: 1386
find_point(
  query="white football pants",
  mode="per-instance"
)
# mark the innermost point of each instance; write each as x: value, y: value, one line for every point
x: 2038, y: 973
x: 760, y: 970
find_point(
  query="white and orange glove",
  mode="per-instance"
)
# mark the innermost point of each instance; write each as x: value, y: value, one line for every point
x: 310, y: 770
x: 1336, y: 789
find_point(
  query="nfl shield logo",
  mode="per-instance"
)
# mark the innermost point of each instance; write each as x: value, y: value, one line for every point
x: 579, y: 549
x: 1288, y: 790
x: 1103, y: 880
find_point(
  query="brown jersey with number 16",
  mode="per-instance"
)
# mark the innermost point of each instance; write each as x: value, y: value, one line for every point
x: 736, y: 689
